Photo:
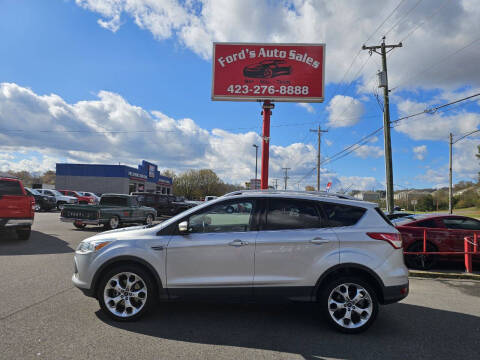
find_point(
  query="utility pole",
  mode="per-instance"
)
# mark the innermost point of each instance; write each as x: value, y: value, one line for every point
x: 450, y: 190
x: 256, y: 163
x: 383, y: 77
x: 286, y: 176
x: 319, y: 132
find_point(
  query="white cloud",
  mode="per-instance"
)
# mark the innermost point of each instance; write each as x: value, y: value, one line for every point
x: 196, y: 23
x: 435, y: 126
x: 420, y: 152
x: 344, y: 111
x: 138, y: 134
x: 369, y: 151
x: 307, y: 107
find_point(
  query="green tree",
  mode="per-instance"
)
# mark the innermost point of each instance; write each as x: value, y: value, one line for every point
x: 425, y: 203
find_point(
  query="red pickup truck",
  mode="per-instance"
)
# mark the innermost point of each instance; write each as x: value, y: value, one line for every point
x: 17, y: 209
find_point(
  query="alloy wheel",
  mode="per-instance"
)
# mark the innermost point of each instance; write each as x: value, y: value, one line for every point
x: 350, y: 305
x: 125, y: 294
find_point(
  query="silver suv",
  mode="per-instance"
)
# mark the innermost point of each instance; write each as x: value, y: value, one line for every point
x: 341, y: 253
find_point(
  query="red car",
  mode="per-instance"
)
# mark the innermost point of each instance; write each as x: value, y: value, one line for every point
x: 444, y: 233
x: 81, y: 198
x: 17, y: 208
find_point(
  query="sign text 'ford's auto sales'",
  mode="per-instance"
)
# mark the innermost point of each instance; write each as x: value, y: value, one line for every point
x: 277, y: 72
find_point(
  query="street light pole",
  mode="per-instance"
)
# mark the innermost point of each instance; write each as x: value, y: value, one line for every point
x: 256, y: 163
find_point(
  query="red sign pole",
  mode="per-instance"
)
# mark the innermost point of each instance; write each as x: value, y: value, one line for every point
x: 267, y: 106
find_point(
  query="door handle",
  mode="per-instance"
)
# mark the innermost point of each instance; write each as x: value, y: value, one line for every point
x: 238, y: 243
x: 319, y: 241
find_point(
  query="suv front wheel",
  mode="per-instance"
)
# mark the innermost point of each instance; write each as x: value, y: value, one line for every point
x: 349, y: 304
x: 126, y: 292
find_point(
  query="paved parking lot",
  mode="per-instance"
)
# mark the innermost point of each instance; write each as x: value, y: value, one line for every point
x: 43, y: 316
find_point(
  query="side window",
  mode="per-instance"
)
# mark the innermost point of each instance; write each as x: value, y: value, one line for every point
x: 231, y: 216
x: 342, y: 215
x: 462, y: 223
x: 427, y: 224
x: 134, y: 201
x: 141, y: 199
x: 292, y: 214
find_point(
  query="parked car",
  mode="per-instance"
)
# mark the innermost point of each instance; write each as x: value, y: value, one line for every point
x: 95, y: 197
x: 164, y: 204
x: 398, y: 214
x: 17, y: 207
x: 210, y: 197
x: 82, y: 199
x: 42, y: 202
x: 112, y: 211
x: 444, y: 233
x: 341, y: 254
x: 59, y: 197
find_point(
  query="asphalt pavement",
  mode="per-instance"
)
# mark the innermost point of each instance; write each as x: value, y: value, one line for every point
x: 43, y: 316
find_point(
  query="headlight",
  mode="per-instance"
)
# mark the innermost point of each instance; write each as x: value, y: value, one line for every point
x: 87, y: 247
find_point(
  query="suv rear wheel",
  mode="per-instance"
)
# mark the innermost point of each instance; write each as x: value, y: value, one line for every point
x: 126, y: 292
x: 349, y: 304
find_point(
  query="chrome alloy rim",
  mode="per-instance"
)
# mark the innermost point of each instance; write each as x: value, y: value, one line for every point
x: 350, y: 305
x: 114, y: 222
x: 125, y: 294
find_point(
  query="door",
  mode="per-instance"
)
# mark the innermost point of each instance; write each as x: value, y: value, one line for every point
x: 137, y: 212
x: 458, y: 229
x: 215, y: 255
x: 293, y: 248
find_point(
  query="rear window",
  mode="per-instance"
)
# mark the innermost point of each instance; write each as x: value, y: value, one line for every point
x: 342, y: 215
x: 113, y: 201
x: 10, y: 187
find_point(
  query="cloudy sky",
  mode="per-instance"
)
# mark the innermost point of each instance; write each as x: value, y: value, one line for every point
x: 109, y: 81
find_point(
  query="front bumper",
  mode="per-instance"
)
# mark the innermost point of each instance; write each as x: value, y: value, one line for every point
x: 83, y: 221
x: 11, y: 223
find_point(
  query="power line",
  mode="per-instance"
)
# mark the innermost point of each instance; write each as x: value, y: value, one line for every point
x: 403, y: 17
x: 419, y: 25
x: 429, y: 67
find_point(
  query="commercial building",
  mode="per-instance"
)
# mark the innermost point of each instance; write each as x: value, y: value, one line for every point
x: 121, y: 179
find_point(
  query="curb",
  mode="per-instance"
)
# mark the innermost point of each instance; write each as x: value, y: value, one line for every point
x: 442, y: 275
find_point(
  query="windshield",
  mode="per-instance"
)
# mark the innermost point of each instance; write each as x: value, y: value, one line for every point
x: 33, y: 191
x: 56, y: 192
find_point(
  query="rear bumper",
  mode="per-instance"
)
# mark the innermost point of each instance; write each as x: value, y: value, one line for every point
x: 12, y: 223
x: 392, y: 294
x: 83, y: 221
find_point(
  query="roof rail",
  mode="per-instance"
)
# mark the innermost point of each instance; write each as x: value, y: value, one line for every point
x: 292, y: 192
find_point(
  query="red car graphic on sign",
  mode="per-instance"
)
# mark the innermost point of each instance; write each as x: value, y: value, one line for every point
x: 267, y: 69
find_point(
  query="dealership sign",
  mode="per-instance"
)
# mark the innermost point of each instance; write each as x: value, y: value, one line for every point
x: 276, y: 72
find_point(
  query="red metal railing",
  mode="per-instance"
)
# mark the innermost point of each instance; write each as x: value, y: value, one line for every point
x: 470, y: 248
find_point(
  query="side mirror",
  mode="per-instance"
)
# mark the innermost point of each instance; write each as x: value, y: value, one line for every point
x: 183, y: 226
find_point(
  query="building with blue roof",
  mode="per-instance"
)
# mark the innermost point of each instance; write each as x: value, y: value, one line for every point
x: 121, y: 179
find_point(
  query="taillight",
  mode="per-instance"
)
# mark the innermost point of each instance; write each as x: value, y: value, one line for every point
x: 392, y: 238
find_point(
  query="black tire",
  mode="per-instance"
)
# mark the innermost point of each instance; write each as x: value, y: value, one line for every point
x: 24, y: 234
x: 79, y: 225
x: 60, y: 205
x: 149, y: 283
x: 113, y: 223
x: 368, y: 301
x: 421, y: 262
x: 149, y: 219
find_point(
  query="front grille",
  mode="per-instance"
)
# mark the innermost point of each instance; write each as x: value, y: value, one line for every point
x: 80, y: 214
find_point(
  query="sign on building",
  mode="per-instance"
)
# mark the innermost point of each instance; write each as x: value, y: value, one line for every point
x: 276, y: 72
